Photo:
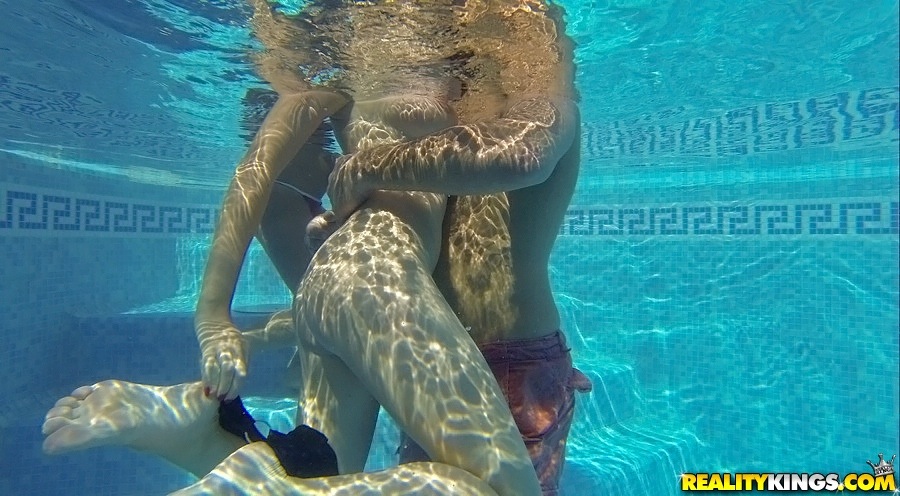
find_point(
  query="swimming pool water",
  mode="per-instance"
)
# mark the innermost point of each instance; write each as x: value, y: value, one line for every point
x: 727, y: 272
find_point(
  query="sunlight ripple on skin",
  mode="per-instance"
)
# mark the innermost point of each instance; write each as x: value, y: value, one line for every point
x: 375, y: 258
x: 147, y: 418
x: 368, y: 308
x: 242, y: 477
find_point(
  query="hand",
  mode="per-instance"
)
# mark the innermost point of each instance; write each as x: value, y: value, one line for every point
x: 223, y: 359
x: 319, y: 229
x: 346, y: 188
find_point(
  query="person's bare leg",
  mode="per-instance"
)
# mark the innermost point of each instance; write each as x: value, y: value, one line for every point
x: 240, y: 476
x: 172, y: 421
x: 397, y: 340
x: 398, y: 336
x: 378, y: 311
x: 335, y: 402
x: 177, y: 423
x: 277, y: 333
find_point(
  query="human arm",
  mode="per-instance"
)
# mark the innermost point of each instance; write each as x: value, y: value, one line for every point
x: 286, y: 128
x: 517, y: 150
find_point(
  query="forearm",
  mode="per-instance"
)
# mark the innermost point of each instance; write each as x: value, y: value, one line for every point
x: 286, y: 128
x: 237, y: 224
x: 518, y: 150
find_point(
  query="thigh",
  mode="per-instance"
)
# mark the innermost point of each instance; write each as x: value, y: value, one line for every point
x: 282, y: 230
x: 410, y: 352
x: 333, y: 401
x: 282, y: 233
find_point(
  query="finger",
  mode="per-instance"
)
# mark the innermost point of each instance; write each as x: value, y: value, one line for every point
x: 343, y: 205
x: 316, y: 238
x: 319, y: 224
x: 327, y: 217
x: 240, y: 367
x: 235, y: 387
x: 210, y: 375
x: 226, y: 375
x: 334, y: 219
x: 240, y: 372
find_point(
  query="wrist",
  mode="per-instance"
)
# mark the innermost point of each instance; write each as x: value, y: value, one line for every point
x: 211, y: 313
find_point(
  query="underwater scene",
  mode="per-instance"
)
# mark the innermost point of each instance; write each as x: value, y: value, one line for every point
x: 712, y: 187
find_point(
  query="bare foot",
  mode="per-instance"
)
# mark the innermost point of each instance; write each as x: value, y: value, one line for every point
x: 175, y: 422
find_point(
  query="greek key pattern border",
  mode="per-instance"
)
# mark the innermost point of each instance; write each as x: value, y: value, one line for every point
x: 767, y: 219
x: 853, y: 119
x: 36, y: 211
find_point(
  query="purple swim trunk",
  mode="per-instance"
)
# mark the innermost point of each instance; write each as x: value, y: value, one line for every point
x: 539, y: 383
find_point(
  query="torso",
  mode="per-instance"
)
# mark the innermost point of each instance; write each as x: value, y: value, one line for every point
x: 494, y: 252
x: 493, y: 268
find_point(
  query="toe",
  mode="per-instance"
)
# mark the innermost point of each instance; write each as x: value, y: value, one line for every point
x: 54, y: 424
x: 83, y: 392
x: 59, y: 412
x: 70, y: 437
x: 67, y: 401
x: 54, y: 443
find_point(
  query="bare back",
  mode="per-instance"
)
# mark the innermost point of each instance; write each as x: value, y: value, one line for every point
x: 494, y: 261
